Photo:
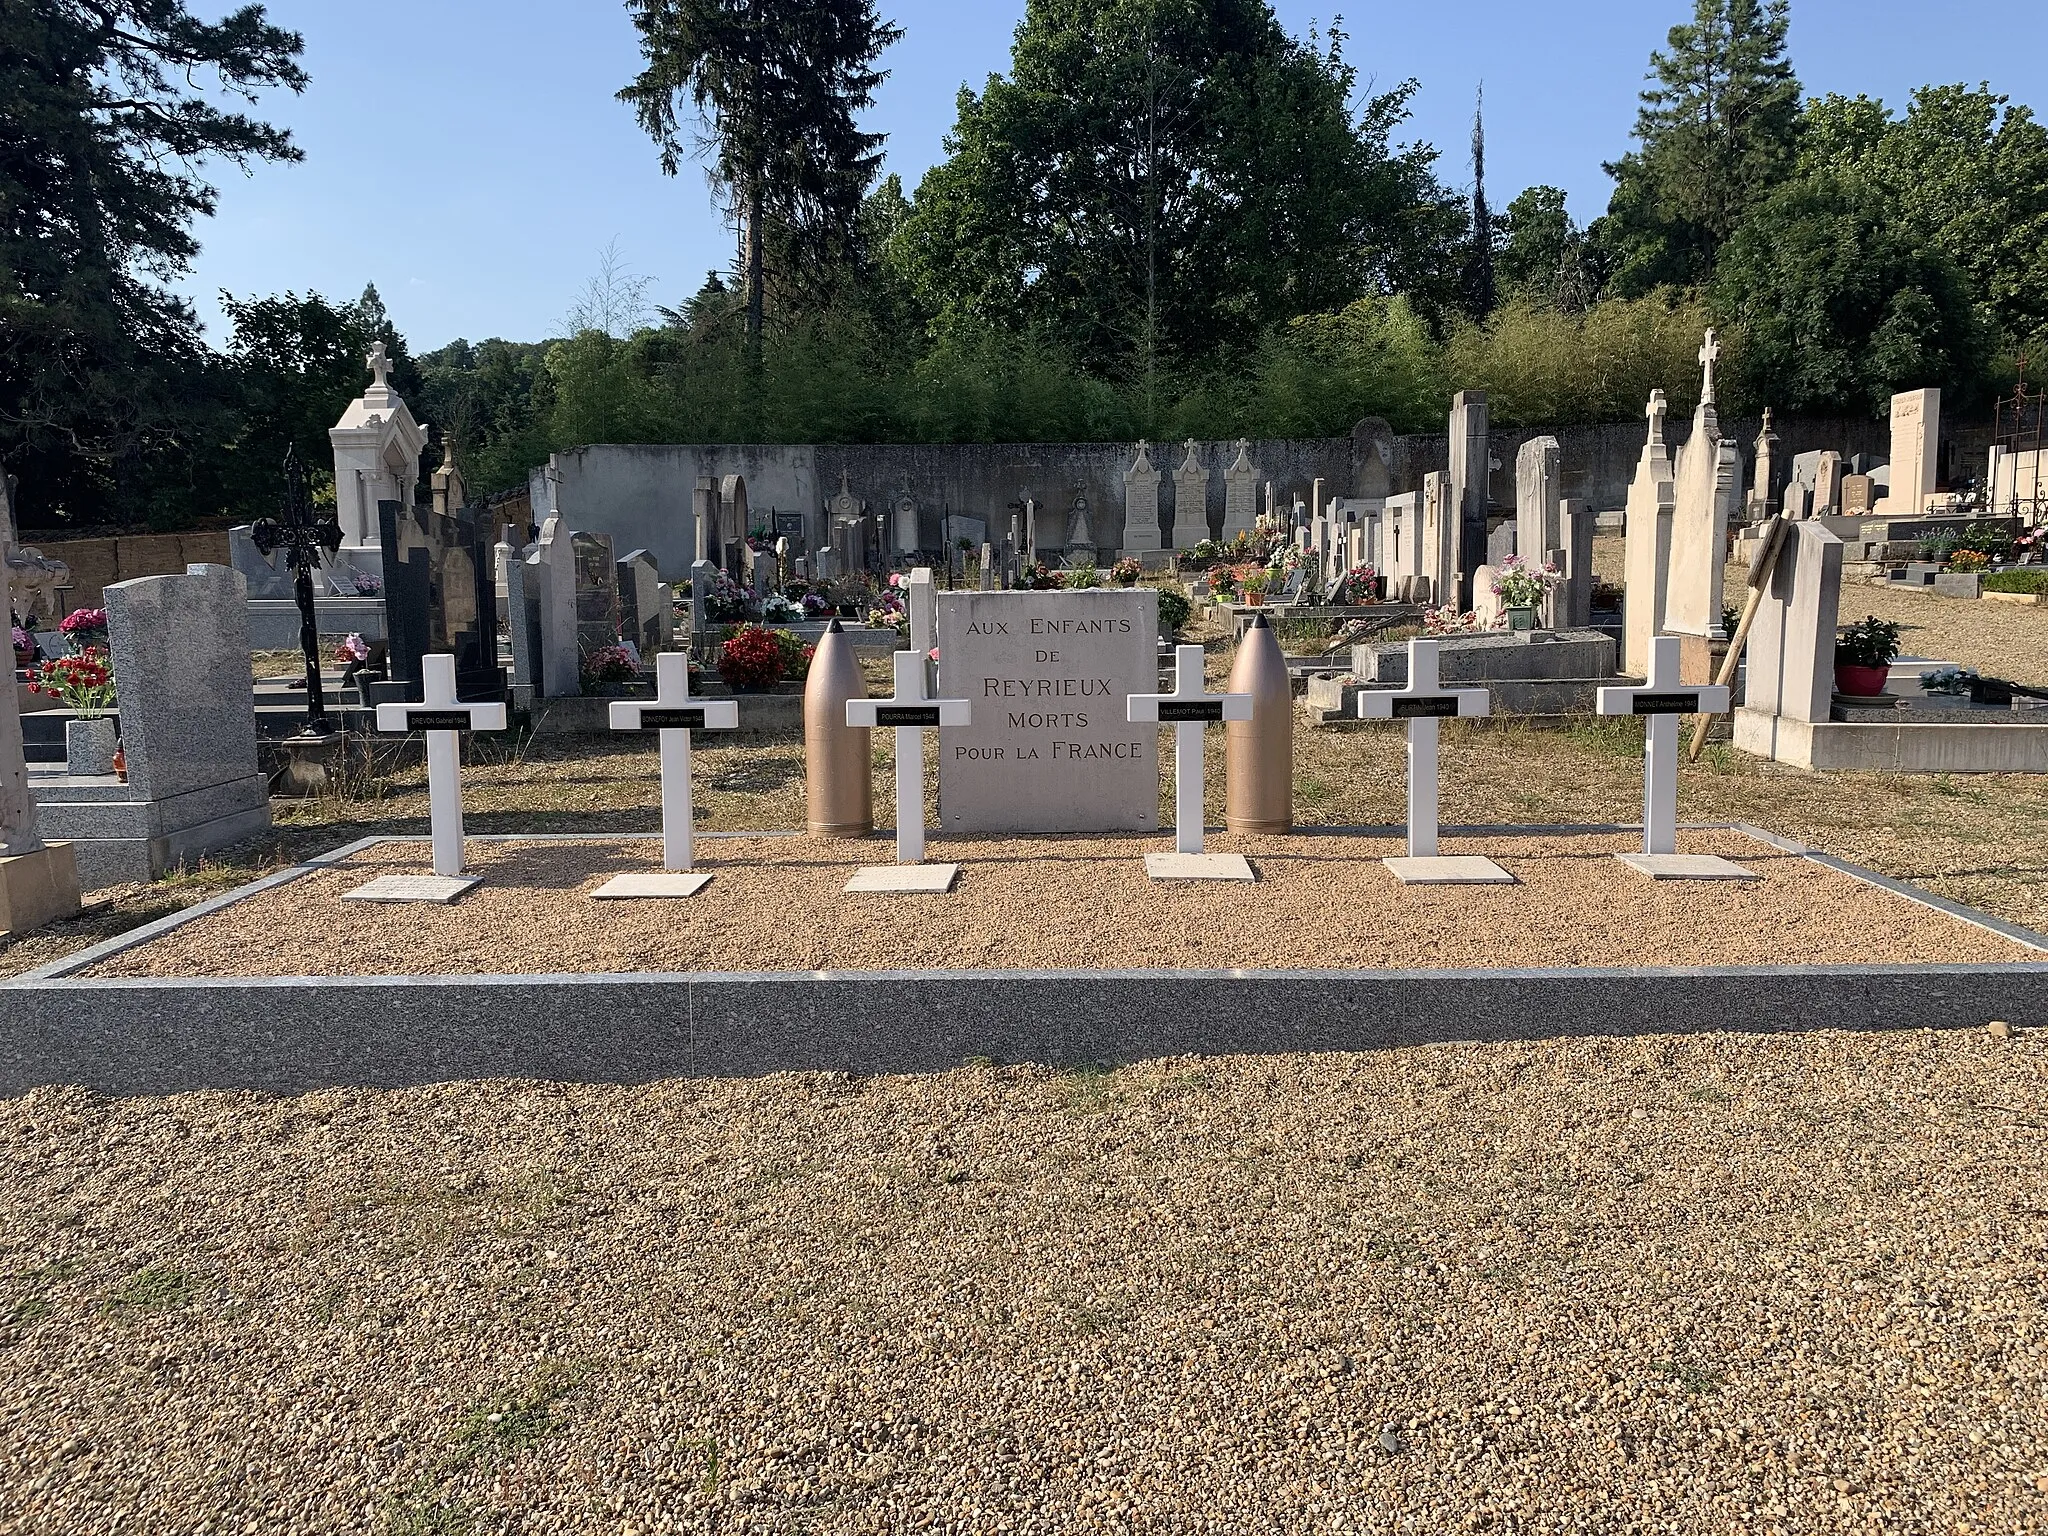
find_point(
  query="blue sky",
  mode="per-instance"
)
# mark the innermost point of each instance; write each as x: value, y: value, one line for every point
x: 469, y: 158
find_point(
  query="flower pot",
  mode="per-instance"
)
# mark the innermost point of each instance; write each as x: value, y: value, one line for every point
x: 89, y: 745
x: 1521, y: 619
x: 1857, y: 682
x: 24, y: 657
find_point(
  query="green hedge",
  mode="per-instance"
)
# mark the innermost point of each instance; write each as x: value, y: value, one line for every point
x: 2035, y: 581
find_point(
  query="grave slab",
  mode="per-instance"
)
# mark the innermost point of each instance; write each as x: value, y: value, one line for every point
x: 650, y: 887
x: 1686, y: 866
x: 1198, y: 866
x: 1449, y: 869
x: 439, y: 889
x: 903, y: 879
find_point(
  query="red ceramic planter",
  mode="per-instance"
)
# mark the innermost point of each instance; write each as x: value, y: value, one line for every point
x: 1860, y: 682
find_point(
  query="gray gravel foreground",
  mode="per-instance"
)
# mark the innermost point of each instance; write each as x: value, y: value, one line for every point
x: 1703, y: 1283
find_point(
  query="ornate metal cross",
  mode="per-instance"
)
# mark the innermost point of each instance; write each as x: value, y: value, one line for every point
x: 306, y: 537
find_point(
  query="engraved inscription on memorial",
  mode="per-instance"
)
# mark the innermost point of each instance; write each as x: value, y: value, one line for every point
x: 1050, y: 748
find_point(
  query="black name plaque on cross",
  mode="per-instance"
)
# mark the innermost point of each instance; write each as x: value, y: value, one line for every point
x: 1438, y: 706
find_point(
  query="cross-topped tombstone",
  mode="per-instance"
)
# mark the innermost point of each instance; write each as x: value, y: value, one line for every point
x: 1661, y: 701
x: 674, y: 713
x: 912, y: 713
x: 1425, y: 704
x: 1188, y: 709
x: 442, y: 718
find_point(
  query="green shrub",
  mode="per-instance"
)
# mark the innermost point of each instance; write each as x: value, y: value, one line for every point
x: 1174, y: 609
x: 2035, y: 581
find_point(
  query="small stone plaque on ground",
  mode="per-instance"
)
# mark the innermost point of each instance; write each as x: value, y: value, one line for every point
x: 650, y: 887
x: 903, y: 879
x: 440, y: 889
x: 1449, y: 869
x: 1687, y: 866
x: 1198, y: 866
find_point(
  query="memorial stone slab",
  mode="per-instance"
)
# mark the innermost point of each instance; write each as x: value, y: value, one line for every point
x: 1049, y: 748
x: 597, y: 592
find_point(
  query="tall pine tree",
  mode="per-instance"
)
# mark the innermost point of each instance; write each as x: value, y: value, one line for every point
x: 1716, y: 131
x: 1480, y: 296
x: 776, y: 84
x: 109, y: 112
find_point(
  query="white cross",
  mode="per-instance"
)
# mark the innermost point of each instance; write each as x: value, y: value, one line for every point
x: 1710, y: 352
x: 1424, y: 704
x: 1655, y: 410
x: 1662, y: 699
x: 380, y: 365
x: 1188, y: 708
x: 674, y: 714
x: 912, y: 714
x: 443, y: 718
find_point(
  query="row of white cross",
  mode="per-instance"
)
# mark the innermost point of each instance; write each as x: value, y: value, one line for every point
x: 674, y: 713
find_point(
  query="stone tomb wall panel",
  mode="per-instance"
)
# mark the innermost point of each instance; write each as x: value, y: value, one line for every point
x: 1047, y: 674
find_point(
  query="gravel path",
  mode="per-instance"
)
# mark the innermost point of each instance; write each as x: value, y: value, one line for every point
x: 1054, y: 903
x: 1672, y: 1284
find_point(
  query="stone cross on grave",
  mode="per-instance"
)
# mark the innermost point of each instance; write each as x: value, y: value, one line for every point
x: 1656, y: 411
x: 673, y: 713
x: 1710, y: 353
x: 1425, y: 704
x: 442, y: 718
x: 1188, y: 709
x: 1661, y: 700
x: 912, y: 713
x: 380, y: 366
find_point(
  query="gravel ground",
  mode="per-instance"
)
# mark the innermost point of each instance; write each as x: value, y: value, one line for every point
x: 1686, y: 1284
x: 777, y: 904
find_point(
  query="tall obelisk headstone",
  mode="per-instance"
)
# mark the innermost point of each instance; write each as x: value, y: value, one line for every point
x: 1699, y: 535
x: 1141, y: 505
x: 1652, y: 498
x: 1468, y: 475
x: 1190, y: 501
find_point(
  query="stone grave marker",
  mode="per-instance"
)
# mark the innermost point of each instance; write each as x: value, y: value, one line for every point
x: 1049, y: 748
x: 673, y: 714
x: 442, y: 718
x: 646, y: 616
x: 1188, y: 709
x: 911, y: 711
x: 440, y: 594
x: 1661, y: 700
x: 1425, y: 704
x: 597, y: 592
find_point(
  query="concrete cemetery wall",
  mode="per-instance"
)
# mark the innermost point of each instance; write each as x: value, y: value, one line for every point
x: 639, y: 494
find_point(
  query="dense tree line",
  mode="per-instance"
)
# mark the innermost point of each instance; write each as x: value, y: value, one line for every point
x: 1168, y: 217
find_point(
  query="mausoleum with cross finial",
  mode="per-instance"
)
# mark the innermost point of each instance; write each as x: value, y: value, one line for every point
x: 377, y: 447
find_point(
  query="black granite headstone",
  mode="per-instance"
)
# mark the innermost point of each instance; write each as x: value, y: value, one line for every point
x: 441, y: 594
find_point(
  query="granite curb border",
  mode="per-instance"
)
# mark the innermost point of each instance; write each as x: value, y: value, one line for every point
x: 293, y: 1034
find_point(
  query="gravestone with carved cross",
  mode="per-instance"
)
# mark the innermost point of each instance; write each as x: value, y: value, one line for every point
x: 1660, y: 702
x: 1188, y: 709
x: 912, y: 712
x: 674, y: 714
x: 442, y: 718
x: 1425, y: 704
